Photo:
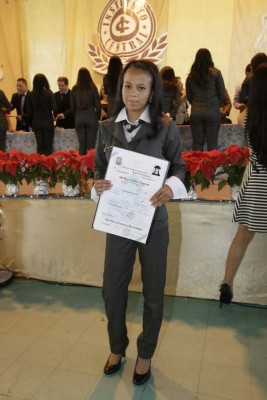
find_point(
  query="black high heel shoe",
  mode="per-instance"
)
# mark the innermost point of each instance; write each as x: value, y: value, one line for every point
x: 140, y: 379
x: 226, y: 295
x: 110, y: 369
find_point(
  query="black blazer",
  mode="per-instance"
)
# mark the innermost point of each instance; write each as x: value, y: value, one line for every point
x: 16, y: 104
x: 41, y: 109
x: 4, y: 103
x: 63, y: 107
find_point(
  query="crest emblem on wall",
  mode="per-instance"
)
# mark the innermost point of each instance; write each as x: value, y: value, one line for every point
x: 126, y: 29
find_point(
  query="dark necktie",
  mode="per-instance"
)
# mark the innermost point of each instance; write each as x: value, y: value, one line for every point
x: 131, y: 127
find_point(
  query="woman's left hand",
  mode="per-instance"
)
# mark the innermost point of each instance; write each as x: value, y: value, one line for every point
x: 163, y: 195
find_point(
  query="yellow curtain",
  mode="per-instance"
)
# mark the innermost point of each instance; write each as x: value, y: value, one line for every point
x: 52, y: 36
x: 10, y: 46
x: 249, y: 36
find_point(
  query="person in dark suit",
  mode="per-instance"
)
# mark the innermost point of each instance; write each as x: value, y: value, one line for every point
x: 5, y: 107
x: 205, y: 92
x: 41, y: 108
x: 65, y: 117
x: 18, y: 102
x: 86, y: 105
x: 171, y: 96
x: 110, y: 82
x: 138, y: 126
x: 255, y: 62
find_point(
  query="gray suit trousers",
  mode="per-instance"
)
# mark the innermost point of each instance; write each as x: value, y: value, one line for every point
x: 205, y: 125
x: 119, y: 261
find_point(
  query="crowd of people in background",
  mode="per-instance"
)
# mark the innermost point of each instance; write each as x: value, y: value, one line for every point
x: 142, y: 107
x: 204, y: 103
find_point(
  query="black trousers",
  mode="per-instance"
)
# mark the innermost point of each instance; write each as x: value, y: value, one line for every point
x: 44, y: 134
x: 205, y: 125
x: 119, y: 261
x: 2, y: 140
x: 86, y: 125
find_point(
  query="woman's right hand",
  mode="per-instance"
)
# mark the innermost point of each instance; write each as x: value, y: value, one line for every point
x: 101, y: 185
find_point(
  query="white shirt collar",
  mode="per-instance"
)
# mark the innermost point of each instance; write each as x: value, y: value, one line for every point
x: 122, y: 116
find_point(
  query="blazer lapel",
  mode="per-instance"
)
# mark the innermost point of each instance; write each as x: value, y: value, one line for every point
x: 143, y: 131
x: 118, y: 132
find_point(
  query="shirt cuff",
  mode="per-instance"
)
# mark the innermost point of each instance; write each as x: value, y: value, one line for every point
x: 173, y: 183
x: 94, y: 196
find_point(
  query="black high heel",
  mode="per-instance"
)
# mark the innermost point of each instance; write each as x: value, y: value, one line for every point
x: 110, y: 369
x: 140, y: 379
x: 226, y: 295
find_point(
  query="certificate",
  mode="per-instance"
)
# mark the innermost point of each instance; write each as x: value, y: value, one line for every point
x: 125, y: 210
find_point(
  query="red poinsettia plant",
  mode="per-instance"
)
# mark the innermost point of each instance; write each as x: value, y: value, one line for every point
x: 201, y: 167
x: 68, y: 167
x: 11, y: 167
x: 73, y: 169
x: 38, y: 167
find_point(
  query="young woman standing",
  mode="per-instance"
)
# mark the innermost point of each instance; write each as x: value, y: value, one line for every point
x: 138, y: 126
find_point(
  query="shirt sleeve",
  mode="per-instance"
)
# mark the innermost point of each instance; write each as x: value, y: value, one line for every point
x: 173, y: 182
x: 94, y: 196
x: 172, y: 151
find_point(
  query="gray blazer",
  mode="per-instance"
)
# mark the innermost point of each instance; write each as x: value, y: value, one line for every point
x: 166, y: 145
x: 209, y: 97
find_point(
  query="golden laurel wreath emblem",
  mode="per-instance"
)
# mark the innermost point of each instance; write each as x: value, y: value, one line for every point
x: 152, y: 53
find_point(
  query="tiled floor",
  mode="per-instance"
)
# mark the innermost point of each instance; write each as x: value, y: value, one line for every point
x: 53, y: 345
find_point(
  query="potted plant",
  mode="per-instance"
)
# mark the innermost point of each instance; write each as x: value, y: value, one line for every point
x: 41, y: 170
x: 234, y: 165
x: 202, y: 167
x: 74, y: 171
x: 11, y: 171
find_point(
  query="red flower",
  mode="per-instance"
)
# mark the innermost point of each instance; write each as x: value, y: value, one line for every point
x: 201, y: 166
x: 11, y: 167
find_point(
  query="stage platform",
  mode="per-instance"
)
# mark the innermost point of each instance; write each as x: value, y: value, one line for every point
x: 52, y: 239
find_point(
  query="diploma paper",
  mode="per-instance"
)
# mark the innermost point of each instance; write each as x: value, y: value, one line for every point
x: 125, y: 209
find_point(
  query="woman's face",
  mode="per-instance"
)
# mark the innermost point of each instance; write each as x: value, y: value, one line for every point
x: 136, y: 90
